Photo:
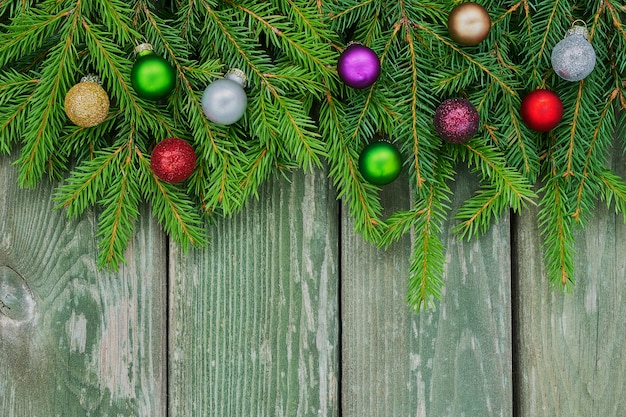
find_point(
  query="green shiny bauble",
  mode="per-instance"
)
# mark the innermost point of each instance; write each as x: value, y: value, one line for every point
x: 152, y: 77
x: 380, y: 163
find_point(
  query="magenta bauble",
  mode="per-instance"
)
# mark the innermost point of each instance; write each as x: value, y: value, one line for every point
x: 456, y: 120
x: 358, y: 66
x: 173, y: 160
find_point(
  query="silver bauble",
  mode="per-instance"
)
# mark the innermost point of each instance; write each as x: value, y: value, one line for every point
x: 573, y: 58
x: 224, y: 101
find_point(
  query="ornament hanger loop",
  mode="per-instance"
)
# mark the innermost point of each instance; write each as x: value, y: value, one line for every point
x: 578, y: 29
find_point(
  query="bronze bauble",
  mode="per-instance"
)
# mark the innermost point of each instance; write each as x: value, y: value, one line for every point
x: 469, y: 24
x: 87, y: 104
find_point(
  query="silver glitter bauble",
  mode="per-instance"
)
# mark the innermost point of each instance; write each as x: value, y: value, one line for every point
x: 573, y: 58
x: 224, y: 101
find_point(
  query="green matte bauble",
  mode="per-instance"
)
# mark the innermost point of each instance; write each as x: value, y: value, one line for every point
x: 152, y: 77
x: 380, y: 163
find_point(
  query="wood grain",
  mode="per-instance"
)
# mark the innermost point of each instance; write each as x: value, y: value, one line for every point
x: 76, y: 341
x: 572, y: 359
x: 455, y: 361
x: 253, y: 318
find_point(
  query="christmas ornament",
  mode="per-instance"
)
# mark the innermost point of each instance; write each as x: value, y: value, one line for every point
x: 173, y: 160
x: 380, y: 163
x: 86, y: 103
x: 456, y: 120
x: 573, y: 58
x: 469, y: 24
x: 358, y: 66
x: 151, y: 76
x: 542, y: 110
x: 224, y: 101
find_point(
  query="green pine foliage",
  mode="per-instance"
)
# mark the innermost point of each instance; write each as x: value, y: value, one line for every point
x: 300, y: 116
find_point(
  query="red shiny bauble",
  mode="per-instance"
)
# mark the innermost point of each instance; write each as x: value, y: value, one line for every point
x: 173, y: 160
x: 542, y: 110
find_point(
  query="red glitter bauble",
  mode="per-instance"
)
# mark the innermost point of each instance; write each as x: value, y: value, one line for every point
x: 542, y: 110
x: 173, y: 160
x: 456, y: 120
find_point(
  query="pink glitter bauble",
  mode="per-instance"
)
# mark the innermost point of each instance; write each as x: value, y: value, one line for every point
x: 456, y: 120
x: 358, y: 66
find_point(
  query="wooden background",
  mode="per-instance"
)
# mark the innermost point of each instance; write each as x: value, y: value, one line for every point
x: 289, y: 313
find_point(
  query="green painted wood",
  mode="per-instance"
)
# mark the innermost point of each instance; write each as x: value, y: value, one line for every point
x: 572, y: 347
x: 253, y: 318
x: 76, y: 341
x: 454, y: 361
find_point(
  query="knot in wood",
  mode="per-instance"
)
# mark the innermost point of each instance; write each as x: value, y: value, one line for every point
x: 16, y: 298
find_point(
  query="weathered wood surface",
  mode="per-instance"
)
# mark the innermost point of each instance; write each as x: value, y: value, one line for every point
x: 452, y: 361
x: 253, y: 323
x: 76, y: 341
x: 572, y: 347
x: 288, y: 313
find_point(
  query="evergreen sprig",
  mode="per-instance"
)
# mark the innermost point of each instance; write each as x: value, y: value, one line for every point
x: 301, y: 116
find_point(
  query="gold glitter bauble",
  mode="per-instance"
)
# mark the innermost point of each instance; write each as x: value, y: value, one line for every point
x: 469, y: 24
x: 87, y: 104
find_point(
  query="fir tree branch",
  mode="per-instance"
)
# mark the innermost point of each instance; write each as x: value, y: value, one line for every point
x: 582, y: 204
x: 115, y: 16
x: 572, y: 135
x: 16, y: 92
x: 46, y: 117
x: 556, y: 225
x: 174, y: 211
x: 556, y: 229
x: 223, y: 191
x: 314, y: 56
x: 491, y: 165
x: 200, y: 124
x: 506, y: 188
x: 117, y: 220
x: 29, y: 32
x: 363, y: 203
x: 298, y: 113
x: 615, y: 17
x: 506, y: 88
x: 297, y: 127
x: 352, y: 11
x: 426, y: 220
x: 408, y: 33
x: 259, y: 168
x: 114, y: 69
x: 613, y: 189
x: 85, y: 186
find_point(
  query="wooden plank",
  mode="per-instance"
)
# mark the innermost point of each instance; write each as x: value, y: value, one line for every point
x: 572, y: 360
x: 253, y: 317
x: 455, y: 361
x: 76, y: 341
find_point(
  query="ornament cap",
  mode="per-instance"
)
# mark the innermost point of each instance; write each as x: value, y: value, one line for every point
x: 91, y: 78
x: 142, y: 48
x: 578, y: 29
x: 237, y: 75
